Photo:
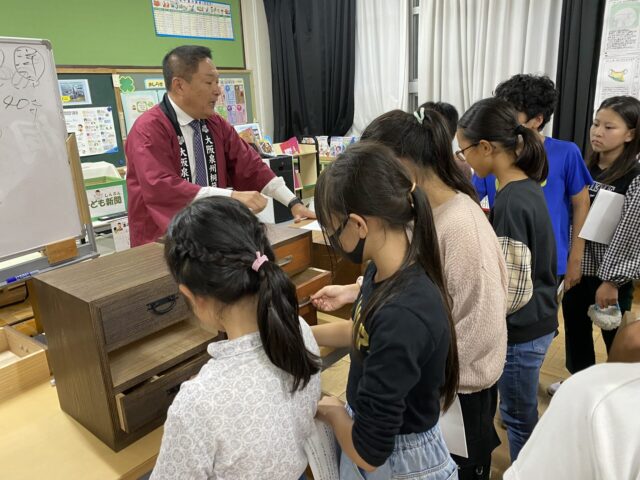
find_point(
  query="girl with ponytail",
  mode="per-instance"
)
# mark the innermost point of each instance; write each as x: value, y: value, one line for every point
x: 474, y: 270
x: 251, y: 407
x: 404, y: 362
x: 493, y: 142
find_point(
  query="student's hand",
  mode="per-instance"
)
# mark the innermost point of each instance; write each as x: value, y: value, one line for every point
x: 574, y: 273
x: 300, y: 212
x: 328, y: 407
x: 333, y: 297
x: 255, y: 201
x: 607, y: 294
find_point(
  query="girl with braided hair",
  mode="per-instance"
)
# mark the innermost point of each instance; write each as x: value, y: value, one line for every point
x: 251, y: 407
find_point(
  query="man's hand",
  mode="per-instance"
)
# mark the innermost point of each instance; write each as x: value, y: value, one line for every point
x: 607, y: 294
x: 255, y: 201
x: 300, y: 212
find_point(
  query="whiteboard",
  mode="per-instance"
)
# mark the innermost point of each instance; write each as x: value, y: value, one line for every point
x: 37, y: 199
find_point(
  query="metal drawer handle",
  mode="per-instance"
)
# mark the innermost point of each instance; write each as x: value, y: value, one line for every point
x: 163, y: 305
x: 284, y: 261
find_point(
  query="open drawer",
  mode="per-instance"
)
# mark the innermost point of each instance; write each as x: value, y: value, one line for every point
x: 293, y: 256
x: 307, y: 283
x: 150, y: 401
x: 23, y: 362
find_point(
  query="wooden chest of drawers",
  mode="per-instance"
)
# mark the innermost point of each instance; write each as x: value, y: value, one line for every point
x: 122, y: 340
x: 292, y: 248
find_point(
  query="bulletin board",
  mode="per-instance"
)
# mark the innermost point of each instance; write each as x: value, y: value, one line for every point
x: 139, y: 91
x: 106, y: 85
x: 102, y: 95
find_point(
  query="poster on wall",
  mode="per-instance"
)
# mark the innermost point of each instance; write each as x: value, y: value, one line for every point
x: 192, y: 19
x: 619, y: 68
x: 94, y: 128
x: 135, y: 104
x: 232, y: 103
x: 74, y: 92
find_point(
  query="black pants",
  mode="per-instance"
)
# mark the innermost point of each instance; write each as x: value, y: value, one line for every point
x: 578, y: 333
x: 478, y: 411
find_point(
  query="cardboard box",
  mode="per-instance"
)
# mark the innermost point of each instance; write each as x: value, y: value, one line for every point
x: 106, y: 196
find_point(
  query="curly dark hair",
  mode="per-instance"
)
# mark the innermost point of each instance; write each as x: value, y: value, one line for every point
x: 531, y: 94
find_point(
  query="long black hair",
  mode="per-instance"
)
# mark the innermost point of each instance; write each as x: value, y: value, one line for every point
x: 210, y: 248
x: 427, y: 144
x: 495, y: 120
x: 629, y: 110
x: 368, y: 180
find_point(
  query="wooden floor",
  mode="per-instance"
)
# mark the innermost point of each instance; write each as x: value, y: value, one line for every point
x: 334, y: 382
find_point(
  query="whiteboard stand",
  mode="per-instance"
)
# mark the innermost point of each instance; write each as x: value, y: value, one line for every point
x: 43, y: 202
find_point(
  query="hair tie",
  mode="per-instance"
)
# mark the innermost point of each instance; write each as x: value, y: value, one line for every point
x: 419, y: 114
x: 413, y: 188
x: 257, y: 263
x: 520, y: 129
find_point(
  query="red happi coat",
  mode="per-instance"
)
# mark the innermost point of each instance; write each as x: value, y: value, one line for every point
x: 155, y: 189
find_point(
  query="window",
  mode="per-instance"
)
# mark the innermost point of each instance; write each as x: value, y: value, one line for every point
x: 414, y: 22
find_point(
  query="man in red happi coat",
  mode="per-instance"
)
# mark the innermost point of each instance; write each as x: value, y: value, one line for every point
x: 181, y: 150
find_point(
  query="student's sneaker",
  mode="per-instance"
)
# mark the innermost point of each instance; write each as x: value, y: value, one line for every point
x: 553, y: 388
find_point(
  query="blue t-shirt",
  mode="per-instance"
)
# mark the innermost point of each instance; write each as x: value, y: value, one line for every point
x: 568, y: 175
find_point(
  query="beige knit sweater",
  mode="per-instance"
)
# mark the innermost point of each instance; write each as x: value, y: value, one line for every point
x: 476, y: 276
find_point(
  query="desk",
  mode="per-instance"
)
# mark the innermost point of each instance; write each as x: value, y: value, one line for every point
x: 39, y: 440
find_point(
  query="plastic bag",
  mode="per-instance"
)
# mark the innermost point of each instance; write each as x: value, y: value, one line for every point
x: 605, y: 318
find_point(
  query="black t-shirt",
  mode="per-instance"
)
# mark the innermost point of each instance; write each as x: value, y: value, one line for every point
x: 520, y: 215
x: 396, y: 377
x: 621, y: 185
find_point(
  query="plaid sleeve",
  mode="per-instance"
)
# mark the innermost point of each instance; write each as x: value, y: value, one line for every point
x: 621, y: 261
x: 518, y: 259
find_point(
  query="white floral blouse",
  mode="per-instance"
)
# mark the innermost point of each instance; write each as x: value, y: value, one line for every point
x: 237, y: 419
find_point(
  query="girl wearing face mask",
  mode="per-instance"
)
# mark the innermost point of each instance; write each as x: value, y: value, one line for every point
x: 608, y: 270
x: 404, y: 361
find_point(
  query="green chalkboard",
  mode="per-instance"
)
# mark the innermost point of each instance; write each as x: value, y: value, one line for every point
x: 102, y: 95
x: 115, y: 33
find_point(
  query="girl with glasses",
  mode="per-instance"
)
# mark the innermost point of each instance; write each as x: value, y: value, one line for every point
x: 493, y: 142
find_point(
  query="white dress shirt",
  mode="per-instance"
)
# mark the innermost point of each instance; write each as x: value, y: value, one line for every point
x: 276, y: 188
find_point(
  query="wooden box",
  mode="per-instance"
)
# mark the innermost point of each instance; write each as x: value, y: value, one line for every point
x: 122, y: 340
x: 23, y: 362
x: 117, y: 330
x: 106, y: 196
